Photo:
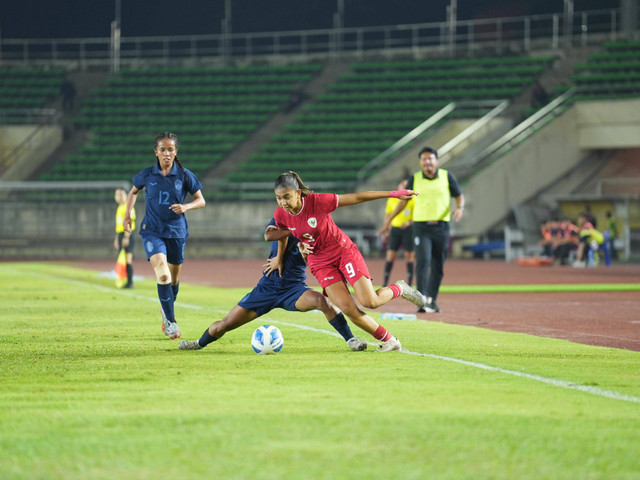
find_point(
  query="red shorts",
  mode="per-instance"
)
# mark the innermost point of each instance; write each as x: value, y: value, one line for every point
x: 349, y: 266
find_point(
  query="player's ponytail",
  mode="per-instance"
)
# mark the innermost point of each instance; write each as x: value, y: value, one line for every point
x: 187, y: 178
x: 292, y: 180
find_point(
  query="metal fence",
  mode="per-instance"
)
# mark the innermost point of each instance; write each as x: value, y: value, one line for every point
x: 496, y: 35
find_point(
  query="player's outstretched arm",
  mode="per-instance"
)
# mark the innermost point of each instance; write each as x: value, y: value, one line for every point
x: 360, y: 197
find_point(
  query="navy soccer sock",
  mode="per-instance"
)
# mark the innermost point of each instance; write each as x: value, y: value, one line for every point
x: 206, y: 339
x: 165, y: 294
x: 387, y: 272
x: 175, y: 289
x: 410, y: 273
x: 340, y: 324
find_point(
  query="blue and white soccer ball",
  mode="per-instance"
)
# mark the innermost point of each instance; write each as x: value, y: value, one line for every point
x: 267, y: 339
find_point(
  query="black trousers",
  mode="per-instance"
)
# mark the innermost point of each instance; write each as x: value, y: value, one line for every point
x: 430, y: 246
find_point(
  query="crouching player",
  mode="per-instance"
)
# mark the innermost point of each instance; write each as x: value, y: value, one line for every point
x: 282, y: 286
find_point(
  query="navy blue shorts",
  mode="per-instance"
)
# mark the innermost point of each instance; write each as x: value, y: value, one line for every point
x: 265, y: 298
x: 173, y: 248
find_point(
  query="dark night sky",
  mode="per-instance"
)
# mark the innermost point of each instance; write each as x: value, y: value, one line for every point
x: 91, y: 18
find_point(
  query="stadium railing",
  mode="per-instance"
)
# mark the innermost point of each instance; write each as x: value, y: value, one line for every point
x: 497, y: 35
x: 516, y: 135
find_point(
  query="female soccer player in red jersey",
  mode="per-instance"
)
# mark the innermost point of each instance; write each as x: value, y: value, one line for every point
x: 334, y: 258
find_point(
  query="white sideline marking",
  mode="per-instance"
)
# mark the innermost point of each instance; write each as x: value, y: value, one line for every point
x: 537, y: 378
x: 550, y: 381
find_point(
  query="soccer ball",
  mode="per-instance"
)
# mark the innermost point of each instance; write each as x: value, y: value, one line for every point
x: 267, y: 339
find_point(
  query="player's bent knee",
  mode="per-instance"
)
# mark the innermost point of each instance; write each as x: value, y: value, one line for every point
x: 371, y: 302
x: 370, y: 305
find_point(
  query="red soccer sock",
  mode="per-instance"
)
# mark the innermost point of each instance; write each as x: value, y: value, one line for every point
x: 396, y: 289
x: 382, y: 334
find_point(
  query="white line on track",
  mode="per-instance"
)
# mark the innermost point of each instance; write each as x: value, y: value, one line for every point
x: 537, y: 378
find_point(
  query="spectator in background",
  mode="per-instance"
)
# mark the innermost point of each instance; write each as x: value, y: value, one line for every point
x: 68, y: 90
x: 566, y: 241
x: 559, y: 239
x: 549, y: 231
x: 296, y: 98
x: 539, y: 96
x: 612, y: 228
x: 589, y: 216
x: 590, y: 241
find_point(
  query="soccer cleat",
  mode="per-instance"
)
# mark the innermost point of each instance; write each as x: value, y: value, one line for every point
x: 171, y: 330
x: 429, y: 308
x: 392, y: 344
x: 189, y: 345
x: 165, y: 322
x: 356, y: 345
x: 414, y: 296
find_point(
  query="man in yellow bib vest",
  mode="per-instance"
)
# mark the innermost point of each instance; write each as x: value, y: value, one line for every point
x: 431, y: 216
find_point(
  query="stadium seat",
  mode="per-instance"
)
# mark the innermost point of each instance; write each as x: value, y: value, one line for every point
x: 375, y: 104
x: 211, y: 109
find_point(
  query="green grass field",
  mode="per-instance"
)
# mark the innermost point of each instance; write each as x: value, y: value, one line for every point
x: 91, y: 389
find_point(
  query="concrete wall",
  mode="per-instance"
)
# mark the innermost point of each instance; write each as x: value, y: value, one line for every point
x: 611, y: 124
x: 520, y: 174
x: 42, y: 142
x: 387, y: 177
x: 11, y: 137
x: 222, y: 230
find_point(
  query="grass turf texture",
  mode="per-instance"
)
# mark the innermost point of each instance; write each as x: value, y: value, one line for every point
x: 92, y: 389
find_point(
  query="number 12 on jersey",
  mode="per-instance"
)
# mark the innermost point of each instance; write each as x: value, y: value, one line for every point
x: 163, y: 197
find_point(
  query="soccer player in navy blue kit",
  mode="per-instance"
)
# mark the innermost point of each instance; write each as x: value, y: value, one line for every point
x: 164, y: 228
x: 282, y: 286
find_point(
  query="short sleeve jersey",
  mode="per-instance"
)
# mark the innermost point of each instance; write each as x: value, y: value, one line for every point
x: 294, y: 267
x: 161, y: 193
x: 120, y: 212
x: 315, y: 226
x: 406, y: 215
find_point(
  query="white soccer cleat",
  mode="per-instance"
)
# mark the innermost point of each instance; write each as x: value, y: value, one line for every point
x: 165, y: 322
x: 189, y: 345
x: 392, y: 344
x: 356, y: 345
x: 171, y: 330
x: 414, y: 296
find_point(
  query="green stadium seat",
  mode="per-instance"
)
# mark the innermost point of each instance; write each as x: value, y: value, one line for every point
x: 211, y: 109
x: 375, y: 104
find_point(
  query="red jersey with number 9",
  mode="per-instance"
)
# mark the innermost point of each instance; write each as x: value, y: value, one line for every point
x: 315, y: 226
